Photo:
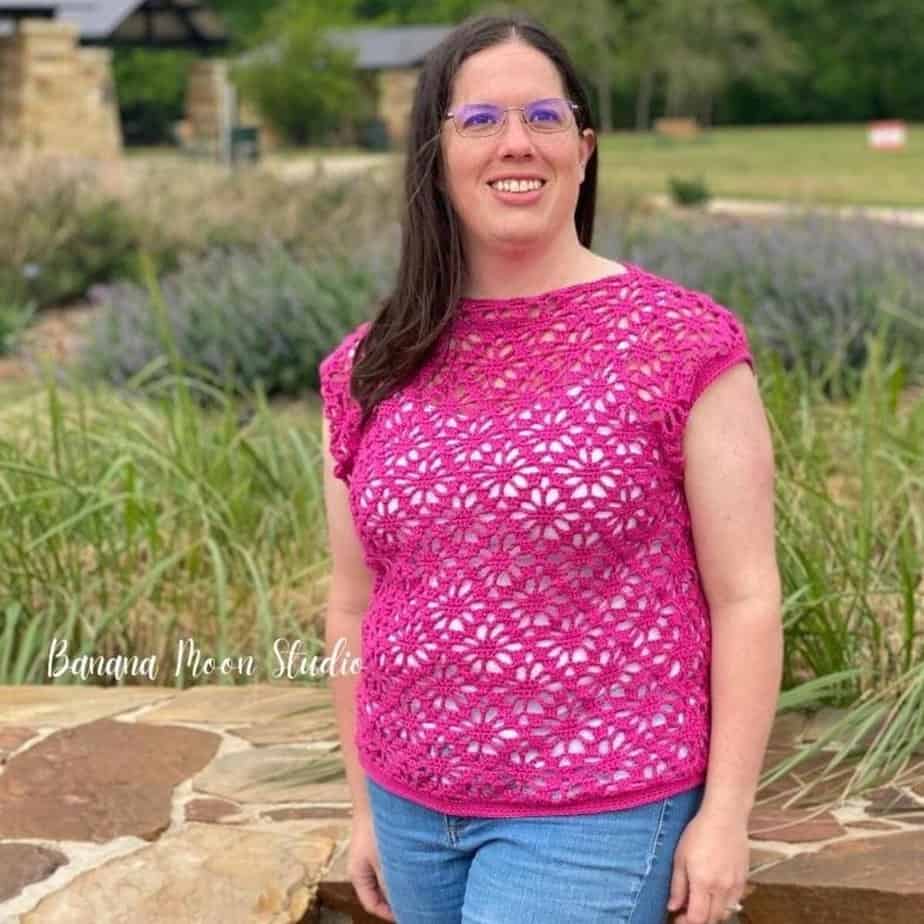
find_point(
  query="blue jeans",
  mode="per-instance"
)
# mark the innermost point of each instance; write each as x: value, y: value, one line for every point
x: 610, y: 867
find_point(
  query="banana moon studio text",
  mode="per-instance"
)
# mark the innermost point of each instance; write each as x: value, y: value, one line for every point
x: 290, y: 657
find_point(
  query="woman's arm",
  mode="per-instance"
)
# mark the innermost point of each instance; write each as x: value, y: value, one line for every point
x: 729, y: 483
x: 348, y: 598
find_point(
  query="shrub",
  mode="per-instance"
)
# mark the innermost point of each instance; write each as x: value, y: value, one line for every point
x: 14, y: 318
x: 59, y: 236
x: 238, y: 318
x: 302, y: 82
x: 688, y: 192
x: 101, y: 247
x: 62, y: 231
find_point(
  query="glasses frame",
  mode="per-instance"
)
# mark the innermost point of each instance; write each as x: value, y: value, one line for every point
x: 573, y: 107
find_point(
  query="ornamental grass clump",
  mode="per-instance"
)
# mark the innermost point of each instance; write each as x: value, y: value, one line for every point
x: 132, y: 521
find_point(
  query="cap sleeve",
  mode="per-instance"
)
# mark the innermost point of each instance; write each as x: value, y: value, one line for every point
x: 341, y: 409
x: 706, y: 339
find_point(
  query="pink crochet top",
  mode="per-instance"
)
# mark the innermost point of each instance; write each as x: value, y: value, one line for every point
x: 537, y: 641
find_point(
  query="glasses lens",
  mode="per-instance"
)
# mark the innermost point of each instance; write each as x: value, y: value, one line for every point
x: 548, y: 115
x: 481, y: 119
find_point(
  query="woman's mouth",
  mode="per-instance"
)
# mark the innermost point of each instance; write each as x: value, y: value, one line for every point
x: 517, y: 191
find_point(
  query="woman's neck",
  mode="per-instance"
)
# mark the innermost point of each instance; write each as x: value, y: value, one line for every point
x: 513, y: 272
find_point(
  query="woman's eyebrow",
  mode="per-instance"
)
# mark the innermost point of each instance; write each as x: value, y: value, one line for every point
x: 484, y: 102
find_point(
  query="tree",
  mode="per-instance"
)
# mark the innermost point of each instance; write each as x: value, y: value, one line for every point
x: 699, y: 47
x: 593, y: 33
x: 306, y: 86
x: 244, y: 18
x: 150, y: 88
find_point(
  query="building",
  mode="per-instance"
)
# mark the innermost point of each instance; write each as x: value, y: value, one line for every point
x: 390, y: 58
x: 56, y: 89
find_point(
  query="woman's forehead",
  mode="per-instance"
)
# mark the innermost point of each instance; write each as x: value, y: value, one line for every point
x: 512, y: 73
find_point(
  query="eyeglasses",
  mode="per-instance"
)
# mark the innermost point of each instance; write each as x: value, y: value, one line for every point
x: 479, y: 120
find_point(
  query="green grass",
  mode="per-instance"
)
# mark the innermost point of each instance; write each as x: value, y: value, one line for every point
x: 817, y: 164
x: 169, y: 152
x: 130, y: 523
x: 804, y: 164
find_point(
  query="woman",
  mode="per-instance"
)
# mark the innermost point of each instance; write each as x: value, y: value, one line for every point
x: 559, y: 571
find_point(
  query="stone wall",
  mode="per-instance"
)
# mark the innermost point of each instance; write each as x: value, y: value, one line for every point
x: 56, y: 97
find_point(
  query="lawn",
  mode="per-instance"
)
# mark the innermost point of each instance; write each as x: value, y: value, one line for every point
x: 810, y: 164
x: 813, y: 164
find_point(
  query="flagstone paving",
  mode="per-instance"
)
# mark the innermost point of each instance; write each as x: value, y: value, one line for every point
x: 229, y: 804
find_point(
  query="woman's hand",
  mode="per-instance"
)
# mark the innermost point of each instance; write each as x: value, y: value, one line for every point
x: 710, y: 868
x: 364, y: 868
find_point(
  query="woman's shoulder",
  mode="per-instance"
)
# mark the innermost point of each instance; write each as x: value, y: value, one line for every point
x: 339, y: 360
x: 685, y: 311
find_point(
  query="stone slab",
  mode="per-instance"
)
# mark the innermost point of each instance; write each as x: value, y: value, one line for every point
x: 210, y: 810
x: 792, y: 826
x: 61, y: 705
x: 320, y: 725
x: 23, y: 864
x: 279, y: 773
x: 13, y: 737
x: 198, y: 874
x: 892, y: 800
x: 863, y: 881
x: 252, y: 704
x: 99, y: 781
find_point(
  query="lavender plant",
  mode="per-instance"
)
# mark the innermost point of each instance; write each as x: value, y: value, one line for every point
x: 811, y: 289
x: 238, y: 319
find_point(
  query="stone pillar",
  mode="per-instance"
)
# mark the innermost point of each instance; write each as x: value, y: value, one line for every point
x: 7, y: 69
x: 209, y: 79
x: 103, y: 124
x: 205, y: 88
x: 396, y: 94
x: 10, y: 91
x: 56, y: 98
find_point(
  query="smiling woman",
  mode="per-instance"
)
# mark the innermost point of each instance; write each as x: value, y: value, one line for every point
x: 519, y: 449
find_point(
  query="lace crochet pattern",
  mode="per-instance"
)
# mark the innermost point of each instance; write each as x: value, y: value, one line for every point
x: 537, y: 640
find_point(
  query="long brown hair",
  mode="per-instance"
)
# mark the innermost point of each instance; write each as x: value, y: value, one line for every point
x: 432, y: 264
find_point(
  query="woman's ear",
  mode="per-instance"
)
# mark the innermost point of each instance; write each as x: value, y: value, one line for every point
x: 588, y: 143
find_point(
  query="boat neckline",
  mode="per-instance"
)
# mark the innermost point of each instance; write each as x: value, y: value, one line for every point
x: 630, y: 269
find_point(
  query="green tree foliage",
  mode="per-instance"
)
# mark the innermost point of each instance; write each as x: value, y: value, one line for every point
x: 150, y: 88
x: 244, y: 18
x: 417, y: 12
x: 862, y: 61
x: 593, y: 31
x: 699, y: 46
x: 307, y: 87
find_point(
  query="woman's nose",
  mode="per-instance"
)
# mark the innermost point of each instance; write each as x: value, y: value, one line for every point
x: 515, y: 135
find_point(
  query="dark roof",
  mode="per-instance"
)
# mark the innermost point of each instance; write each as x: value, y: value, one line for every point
x: 22, y: 7
x: 389, y: 46
x: 166, y: 23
